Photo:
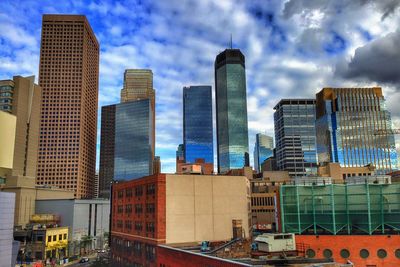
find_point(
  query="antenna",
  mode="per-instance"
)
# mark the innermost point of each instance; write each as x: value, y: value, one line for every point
x: 231, y: 40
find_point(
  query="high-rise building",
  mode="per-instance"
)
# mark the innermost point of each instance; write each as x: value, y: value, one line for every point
x: 7, y: 207
x: 294, y: 122
x: 126, y: 139
x: 69, y: 77
x: 138, y: 84
x: 107, y: 150
x: 22, y: 98
x: 354, y: 128
x: 231, y: 109
x: 197, y: 124
x: 263, y: 149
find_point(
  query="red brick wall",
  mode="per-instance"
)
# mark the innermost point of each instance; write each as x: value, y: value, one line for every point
x: 354, y: 243
x: 174, y: 258
x: 130, y: 236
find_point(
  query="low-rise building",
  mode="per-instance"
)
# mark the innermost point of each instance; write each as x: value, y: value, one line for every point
x: 87, y: 220
x: 171, y: 208
x: 340, y: 174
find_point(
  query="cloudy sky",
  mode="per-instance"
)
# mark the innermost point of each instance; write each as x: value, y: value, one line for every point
x: 293, y: 49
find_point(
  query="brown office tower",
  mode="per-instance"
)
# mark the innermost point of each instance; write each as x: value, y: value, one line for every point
x: 69, y: 77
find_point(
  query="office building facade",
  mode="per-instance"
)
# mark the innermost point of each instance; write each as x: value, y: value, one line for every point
x: 355, y: 129
x: 294, y: 122
x: 263, y: 149
x: 197, y: 124
x: 138, y: 85
x: 231, y: 110
x: 23, y: 98
x: 69, y: 77
x: 7, y: 206
x: 126, y: 142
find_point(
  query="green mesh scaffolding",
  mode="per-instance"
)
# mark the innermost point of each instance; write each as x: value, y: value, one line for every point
x: 340, y: 208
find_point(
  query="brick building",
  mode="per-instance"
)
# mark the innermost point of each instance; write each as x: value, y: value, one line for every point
x: 172, y: 209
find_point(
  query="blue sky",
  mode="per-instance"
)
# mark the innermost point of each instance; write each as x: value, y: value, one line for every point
x: 293, y: 49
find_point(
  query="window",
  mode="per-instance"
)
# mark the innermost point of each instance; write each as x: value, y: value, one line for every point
x: 138, y: 208
x: 60, y: 237
x: 382, y: 253
x: 150, y: 208
x: 327, y: 253
x: 150, y: 227
x: 120, y: 209
x: 54, y: 237
x: 150, y: 253
x: 128, y: 208
x: 120, y: 193
x: 151, y: 189
x: 138, y: 191
x: 344, y: 253
x: 364, y: 253
x: 397, y: 253
x: 310, y: 253
x: 138, y: 226
x: 49, y: 239
x: 128, y: 192
x: 65, y: 236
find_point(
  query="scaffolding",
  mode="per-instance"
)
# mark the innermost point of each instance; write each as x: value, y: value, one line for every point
x: 340, y: 209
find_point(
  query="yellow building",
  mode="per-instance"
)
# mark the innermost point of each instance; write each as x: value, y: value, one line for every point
x: 56, y: 242
x: 7, y: 140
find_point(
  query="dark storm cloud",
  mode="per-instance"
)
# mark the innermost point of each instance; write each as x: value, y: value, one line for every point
x: 378, y: 61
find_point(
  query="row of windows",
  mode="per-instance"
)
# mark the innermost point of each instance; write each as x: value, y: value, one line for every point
x: 345, y: 253
x: 150, y: 190
x: 54, y: 237
x: 150, y: 208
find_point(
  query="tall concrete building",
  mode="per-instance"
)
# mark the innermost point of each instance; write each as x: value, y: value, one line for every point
x: 69, y: 77
x: 231, y: 109
x: 7, y: 205
x: 294, y: 122
x: 355, y: 129
x: 23, y: 98
x: 263, y: 149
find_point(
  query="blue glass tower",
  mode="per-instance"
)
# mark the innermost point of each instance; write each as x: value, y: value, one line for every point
x: 133, y: 140
x: 197, y: 124
x: 231, y: 107
x: 354, y: 128
x: 263, y: 149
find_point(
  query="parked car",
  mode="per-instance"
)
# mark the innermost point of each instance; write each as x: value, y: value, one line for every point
x: 84, y: 259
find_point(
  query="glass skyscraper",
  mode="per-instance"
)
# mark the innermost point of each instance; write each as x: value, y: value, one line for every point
x: 263, y: 149
x: 294, y: 121
x: 126, y: 142
x: 354, y: 128
x: 197, y: 124
x: 231, y: 107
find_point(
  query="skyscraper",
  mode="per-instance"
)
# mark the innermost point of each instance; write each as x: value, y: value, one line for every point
x: 263, y: 149
x: 69, y: 77
x: 354, y: 128
x: 231, y: 108
x: 294, y: 122
x: 126, y: 143
x: 197, y: 124
x: 138, y: 84
x: 22, y: 98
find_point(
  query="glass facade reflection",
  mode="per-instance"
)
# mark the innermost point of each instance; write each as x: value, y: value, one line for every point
x: 231, y: 107
x: 294, y: 122
x: 263, y: 149
x: 133, y: 140
x: 355, y: 129
x: 197, y: 124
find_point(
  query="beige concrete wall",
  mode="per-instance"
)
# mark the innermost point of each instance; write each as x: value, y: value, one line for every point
x: 7, y: 140
x: 202, y: 207
x: 24, y: 204
x: 51, y: 193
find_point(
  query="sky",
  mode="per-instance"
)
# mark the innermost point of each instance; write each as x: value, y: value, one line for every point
x: 293, y: 49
